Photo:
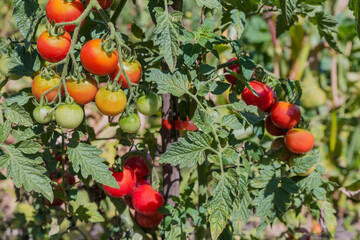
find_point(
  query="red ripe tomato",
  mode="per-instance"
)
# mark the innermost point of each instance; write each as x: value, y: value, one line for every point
x: 146, y: 200
x: 299, y: 141
x: 138, y: 165
x: 83, y: 91
x: 64, y: 11
x: 148, y: 221
x: 126, y: 180
x: 142, y: 181
x: 96, y: 60
x: 104, y: 4
x: 230, y: 78
x: 53, y: 48
x: 41, y: 85
x: 265, y: 99
x: 133, y: 71
x: 272, y: 129
x: 285, y: 115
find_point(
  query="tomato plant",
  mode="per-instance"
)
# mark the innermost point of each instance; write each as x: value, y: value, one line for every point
x: 223, y: 92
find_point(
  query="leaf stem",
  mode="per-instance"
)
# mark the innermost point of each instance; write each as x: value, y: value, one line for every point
x: 118, y: 10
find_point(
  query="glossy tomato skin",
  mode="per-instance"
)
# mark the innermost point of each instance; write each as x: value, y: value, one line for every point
x: 146, y: 200
x: 41, y: 85
x: 230, y: 78
x: 104, y: 4
x: 148, y: 104
x: 285, y: 115
x: 83, y: 91
x: 130, y: 124
x: 69, y: 115
x: 138, y: 165
x: 265, y: 99
x: 43, y: 114
x: 52, y: 48
x: 63, y: 11
x: 126, y: 180
x: 148, y: 221
x: 110, y: 103
x: 299, y: 141
x: 96, y: 61
x: 279, y: 144
x: 272, y: 129
x: 133, y: 71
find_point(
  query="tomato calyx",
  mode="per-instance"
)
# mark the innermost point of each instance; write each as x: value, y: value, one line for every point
x: 108, y: 45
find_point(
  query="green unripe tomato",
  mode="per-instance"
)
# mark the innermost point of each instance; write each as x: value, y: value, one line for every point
x: 130, y: 124
x: 43, y: 114
x: 148, y: 104
x: 69, y: 115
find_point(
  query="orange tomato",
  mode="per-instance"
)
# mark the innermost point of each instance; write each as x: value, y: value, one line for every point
x: 299, y: 141
x: 40, y: 85
x: 110, y: 103
x: 133, y: 71
x: 83, y: 91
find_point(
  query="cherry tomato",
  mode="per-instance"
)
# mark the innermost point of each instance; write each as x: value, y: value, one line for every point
x: 110, y: 103
x: 265, y: 93
x: 58, y: 158
x: 64, y: 11
x: 148, y: 221
x: 69, y: 115
x: 43, y: 114
x: 316, y: 228
x: 133, y: 71
x: 96, y: 60
x: 41, y: 85
x: 104, y: 4
x: 308, y: 172
x: 4, y: 70
x: 130, y: 124
x: 142, y: 181
x: 146, y: 200
x: 126, y: 180
x: 272, y: 129
x: 138, y: 165
x: 52, y: 48
x: 230, y: 78
x: 83, y: 91
x: 299, y: 141
x: 285, y: 115
x: 279, y: 144
x: 148, y: 104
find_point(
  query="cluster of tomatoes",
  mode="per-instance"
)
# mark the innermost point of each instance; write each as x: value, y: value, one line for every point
x: 137, y: 192
x: 281, y: 121
x: 97, y: 59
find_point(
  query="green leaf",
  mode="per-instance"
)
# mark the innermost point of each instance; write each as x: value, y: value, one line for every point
x: 137, y: 31
x: 354, y: 6
x: 313, y: 2
x: 232, y: 121
x: 88, y: 213
x: 155, y: 180
x: 209, y: 4
x: 220, y: 206
x: 176, y: 84
x: 167, y: 35
x: 187, y: 152
x: 287, y: 9
x: 292, y: 90
x: 23, y: 62
x: 18, y: 115
x: 218, y: 87
x: 191, y: 53
x: 87, y: 157
x: 29, y: 147
x: 327, y: 26
x: 250, y: 113
x: 241, y: 213
x: 328, y: 217
x: 24, y: 133
x: 202, y: 120
x: 27, y: 16
x: 203, y: 88
x: 20, y: 98
x: 238, y: 19
x: 5, y: 130
x: 26, y: 171
x: 302, y: 163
